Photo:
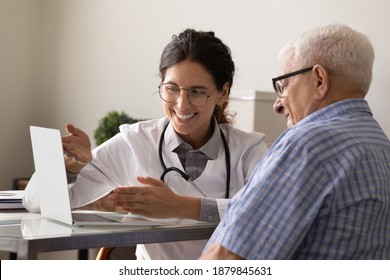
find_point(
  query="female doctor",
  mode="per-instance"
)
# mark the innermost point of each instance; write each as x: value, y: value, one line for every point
x: 186, y: 165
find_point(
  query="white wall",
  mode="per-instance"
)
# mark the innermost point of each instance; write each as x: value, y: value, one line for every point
x: 98, y: 55
x: 19, y: 82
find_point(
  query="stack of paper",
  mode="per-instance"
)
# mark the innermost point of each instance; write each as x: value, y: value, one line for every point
x: 11, y: 199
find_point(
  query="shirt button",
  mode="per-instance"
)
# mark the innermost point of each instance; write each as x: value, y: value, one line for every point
x: 210, y: 217
x: 190, y: 155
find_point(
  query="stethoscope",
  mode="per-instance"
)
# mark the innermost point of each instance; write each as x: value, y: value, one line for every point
x: 185, y: 175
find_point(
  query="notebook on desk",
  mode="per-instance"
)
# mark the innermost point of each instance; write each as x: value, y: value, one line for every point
x: 50, y: 177
x: 11, y: 199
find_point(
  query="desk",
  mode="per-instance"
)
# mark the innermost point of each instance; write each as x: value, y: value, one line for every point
x: 29, y: 234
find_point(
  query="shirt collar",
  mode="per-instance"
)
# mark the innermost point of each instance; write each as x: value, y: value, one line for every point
x: 339, y: 108
x: 210, y: 149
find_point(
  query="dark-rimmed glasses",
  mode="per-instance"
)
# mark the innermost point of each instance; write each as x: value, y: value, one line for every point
x: 279, y: 88
x: 197, y: 96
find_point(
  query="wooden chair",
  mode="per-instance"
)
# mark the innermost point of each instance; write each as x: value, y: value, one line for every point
x: 117, y: 253
x: 104, y: 253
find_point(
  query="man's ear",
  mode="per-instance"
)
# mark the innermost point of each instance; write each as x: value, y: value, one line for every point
x: 321, y: 81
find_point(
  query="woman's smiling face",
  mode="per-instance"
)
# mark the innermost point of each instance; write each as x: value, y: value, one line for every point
x: 192, y: 123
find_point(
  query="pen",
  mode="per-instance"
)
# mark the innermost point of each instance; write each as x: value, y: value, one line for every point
x: 104, y: 174
x: 196, y: 187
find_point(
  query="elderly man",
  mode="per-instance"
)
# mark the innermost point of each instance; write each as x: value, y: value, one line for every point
x: 323, y: 189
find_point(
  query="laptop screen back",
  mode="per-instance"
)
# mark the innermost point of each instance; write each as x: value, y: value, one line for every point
x: 51, y: 174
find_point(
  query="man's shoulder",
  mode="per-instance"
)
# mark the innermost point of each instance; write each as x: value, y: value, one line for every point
x: 336, y: 136
x: 307, y: 132
x: 316, y: 138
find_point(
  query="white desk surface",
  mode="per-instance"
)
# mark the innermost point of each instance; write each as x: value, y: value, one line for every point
x: 28, y: 234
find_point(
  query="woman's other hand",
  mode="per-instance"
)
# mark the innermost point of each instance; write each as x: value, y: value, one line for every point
x: 155, y: 199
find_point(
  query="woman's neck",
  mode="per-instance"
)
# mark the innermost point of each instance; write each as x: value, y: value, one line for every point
x: 198, y: 140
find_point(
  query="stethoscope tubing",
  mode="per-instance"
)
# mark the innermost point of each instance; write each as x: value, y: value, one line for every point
x: 185, y: 175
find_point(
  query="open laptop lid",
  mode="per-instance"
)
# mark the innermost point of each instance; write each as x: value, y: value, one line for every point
x: 50, y: 174
x: 50, y: 179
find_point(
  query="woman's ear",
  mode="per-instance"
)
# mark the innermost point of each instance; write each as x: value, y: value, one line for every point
x: 225, y: 94
x: 321, y: 81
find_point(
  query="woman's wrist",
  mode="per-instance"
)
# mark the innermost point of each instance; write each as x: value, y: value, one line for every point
x: 73, y: 166
x: 189, y: 207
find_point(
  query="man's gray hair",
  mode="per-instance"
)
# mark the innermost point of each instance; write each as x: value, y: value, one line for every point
x: 340, y: 49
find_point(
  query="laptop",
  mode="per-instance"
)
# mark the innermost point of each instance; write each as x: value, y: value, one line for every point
x: 50, y: 176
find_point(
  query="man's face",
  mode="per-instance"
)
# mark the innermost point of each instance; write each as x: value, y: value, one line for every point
x: 297, y: 98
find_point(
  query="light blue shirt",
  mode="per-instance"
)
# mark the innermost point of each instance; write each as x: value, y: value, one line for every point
x: 321, y: 192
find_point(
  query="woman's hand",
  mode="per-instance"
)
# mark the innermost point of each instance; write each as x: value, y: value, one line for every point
x: 77, y: 148
x: 156, y: 200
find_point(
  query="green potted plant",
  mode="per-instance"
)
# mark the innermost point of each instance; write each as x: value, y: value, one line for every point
x: 109, y: 125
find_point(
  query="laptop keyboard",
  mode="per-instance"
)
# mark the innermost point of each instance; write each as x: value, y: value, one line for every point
x: 90, y: 217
